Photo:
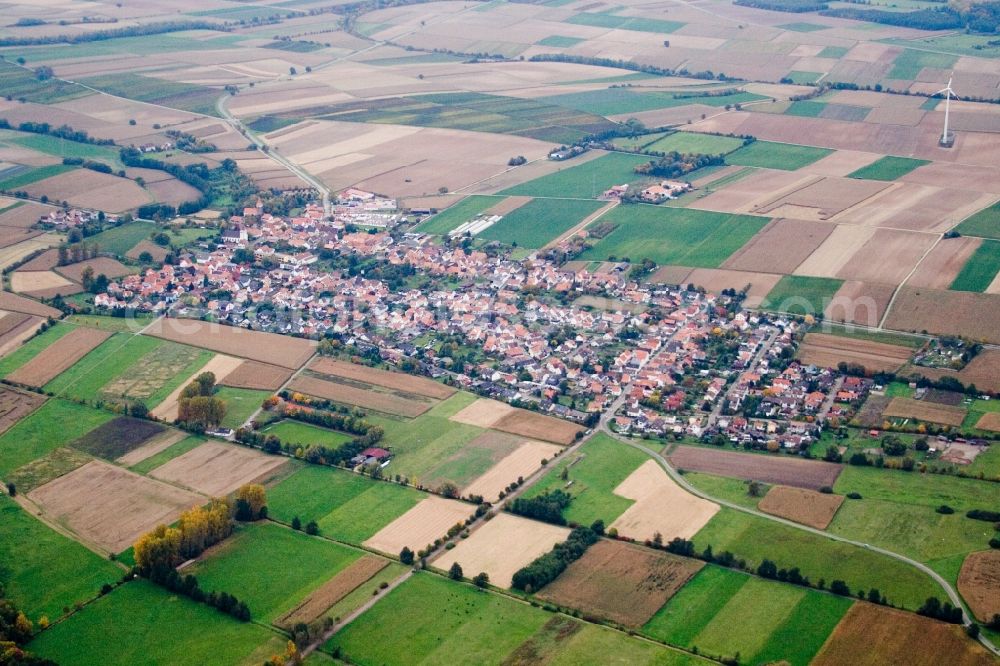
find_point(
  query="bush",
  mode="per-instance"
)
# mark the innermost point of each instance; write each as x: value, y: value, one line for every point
x: 826, y: 490
x: 945, y: 509
x: 853, y: 495
x: 982, y: 514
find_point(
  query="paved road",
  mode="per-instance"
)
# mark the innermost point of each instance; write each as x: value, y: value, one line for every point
x: 956, y: 600
x: 719, y: 404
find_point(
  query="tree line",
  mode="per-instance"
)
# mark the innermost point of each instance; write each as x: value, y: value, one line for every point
x: 141, y: 30
x: 547, y: 507
x: 198, y: 406
x: 545, y: 569
x: 60, y: 132
x: 15, y: 631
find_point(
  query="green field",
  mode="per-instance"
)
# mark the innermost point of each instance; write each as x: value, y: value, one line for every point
x: 885, y: 337
x: 539, y: 221
x: 121, y: 239
x: 432, y: 447
x: 33, y: 176
x: 106, y: 323
x: 585, y: 180
x: 689, y: 611
x: 606, y: 20
x: 140, y: 623
x: 51, y: 145
x: 685, y: 237
x: 804, y: 27
x: 456, y: 215
x: 804, y: 78
x: 985, y: 223
x: 32, y: 348
x: 770, y: 155
x: 43, y: 571
x: 981, y: 268
x: 908, y: 64
x: 21, y: 83
x: 615, y: 101
x: 303, y: 434
x: 435, y: 621
x: 726, y: 488
x: 52, y: 425
x: 84, y: 379
x: 915, y: 531
x: 799, y: 294
x: 346, y: 506
x: 755, y: 539
x: 559, y: 41
x: 693, y: 143
x: 834, y: 52
x: 604, y: 464
x: 638, y: 141
x: 299, y: 564
x: 183, y: 96
x: 930, y: 490
x: 240, y: 404
x: 888, y: 168
x: 806, y: 109
x: 168, y: 454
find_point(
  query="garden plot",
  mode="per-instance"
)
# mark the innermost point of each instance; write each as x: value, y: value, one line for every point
x: 58, y: 357
x: 216, y: 469
x: 521, y: 463
x: 661, y: 506
x: 111, y: 507
x: 801, y: 506
x: 502, y: 546
x: 421, y: 525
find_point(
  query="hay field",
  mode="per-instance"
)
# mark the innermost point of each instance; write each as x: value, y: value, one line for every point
x: 521, y: 463
x: 220, y: 365
x: 621, y: 582
x: 802, y: 506
x: 877, y: 636
x: 390, y: 403
x: 923, y: 410
x: 254, y: 375
x: 421, y: 525
x: 783, y: 470
x: 501, y: 546
x: 216, y: 469
x: 111, y: 507
x: 653, y: 490
x: 58, y: 357
x: 979, y: 583
x: 282, y: 350
x: 826, y: 351
x: 384, y: 378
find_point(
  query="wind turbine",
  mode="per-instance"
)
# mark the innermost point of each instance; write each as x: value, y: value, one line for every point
x: 947, y: 140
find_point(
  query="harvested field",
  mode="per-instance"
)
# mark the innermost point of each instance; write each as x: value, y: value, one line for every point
x: 965, y: 313
x: 15, y: 405
x: 37, y: 282
x: 59, y: 356
x: 90, y: 189
x: 989, y: 421
x: 802, y: 506
x: 157, y: 252
x: 521, y: 463
x: 151, y: 447
x: 15, y: 303
x: 775, y: 469
x: 46, y: 261
x: 501, y: 546
x: 538, y: 426
x: 717, y: 279
x: 983, y: 371
x: 111, y: 268
x: 483, y: 413
x: 621, y: 582
x: 254, y: 375
x: 117, y: 437
x: 421, y: 525
x: 841, y: 163
x: 979, y: 583
x: 110, y: 507
x: 820, y: 200
x: 653, y: 490
x: 826, y: 351
x: 389, y: 403
x: 780, y: 246
x: 861, y: 303
x: 346, y: 581
x: 921, y: 410
x: 384, y: 378
x: 836, y: 251
x: 869, y: 263
x: 671, y: 275
x: 21, y: 331
x: 217, y: 469
x: 11, y: 320
x: 271, y: 348
x: 872, y: 635
x: 943, y: 263
x: 220, y: 366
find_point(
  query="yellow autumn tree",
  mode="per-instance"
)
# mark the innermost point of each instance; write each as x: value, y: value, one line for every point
x: 159, y: 548
x: 255, y: 497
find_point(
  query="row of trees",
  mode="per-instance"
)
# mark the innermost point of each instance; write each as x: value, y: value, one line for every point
x: 114, y: 33
x: 675, y: 165
x: 547, y: 568
x: 99, y: 167
x: 60, y: 132
x: 547, y: 507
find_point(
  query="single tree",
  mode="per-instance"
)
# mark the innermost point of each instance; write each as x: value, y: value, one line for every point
x: 481, y: 580
x: 455, y: 573
x: 406, y: 556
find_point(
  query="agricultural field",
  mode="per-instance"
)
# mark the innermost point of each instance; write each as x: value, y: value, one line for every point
x: 722, y: 612
x: 216, y: 469
x: 827, y: 351
x: 679, y: 236
x: 96, y: 635
x: 888, y: 168
x: 347, y: 507
x: 270, y: 348
x: 770, y: 155
x: 693, y: 143
x: 980, y: 270
x: 52, y: 425
x: 979, y: 582
x: 583, y: 181
x: 799, y: 294
x: 303, y: 434
x: 985, y: 223
x: 539, y: 221
x: 802, y: 506
x: 57, y: 357
x: 777, y: 469
x: 236, y: 564
x: 463, y: 211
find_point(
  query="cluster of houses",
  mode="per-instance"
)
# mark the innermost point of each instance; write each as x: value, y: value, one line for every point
x: 655, y: 194
x: 60, y: 219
